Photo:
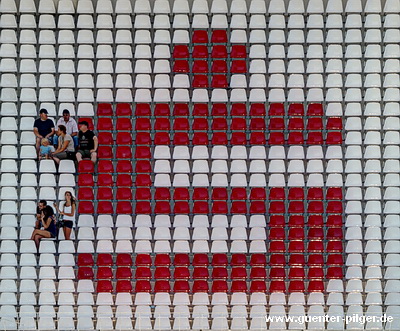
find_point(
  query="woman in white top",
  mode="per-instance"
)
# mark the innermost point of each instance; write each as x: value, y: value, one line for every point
x: 68, y: 213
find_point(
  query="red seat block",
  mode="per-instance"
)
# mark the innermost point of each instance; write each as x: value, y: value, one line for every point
x: 296, y: 273
x: 315, y: 109
x: 105, y: 152
x: 200, y: 286
x: 123, y: 273
x: 86, y: 166
x: 104, y: 273
x: 143, y: 138
x: 105, y: 138
x: 257, y: 207
x: 334, y: 138
x: 124, y: 259
x: 143, y: 286
x: 315, y: 123
x: 277, y: 234
x: 105, y: 207
x: 124, y: 286
x: 219, y: 81
x: 238, y: 67
x: 219, y: 66
x: 258, y: 286
x: 123, y: 109
x: 142, y: 166
x: 180, y: 52
x: 162, y: 138
x: 277, y: 193
x: 162, y: 193
x: 143, y: 260
x: 162, y: 123
x: 104, y: 193
x: 276, y: 138
x: 219, y: 36
x: 219, y: 52
x: 200, y: 81
x: 181, y: 66
x: 142, y: 124
x: 296, y: 123
x: 181, y: 286
x: 296, y: 109
x: 276, y: 221
x: 142, y: 109
x: 143, y: 207
x: 124, y: 124
x: 239, y: 207
x: 85, y: 207
x: 316, y: 273
x: 316, y: 286
x: 219, y: 273
x: 200, y: 273
x: 200, y: 259
x: 334, y: 221
x: 276, y: 207
x: 105, y: 124
x: 181, y: 123
x: 277, y: 246
x: 334, y: 193
x: 315, y: 193
x: 296, y: 286
x: 181, y: 193
x: 277, y: 260
x: 105, y: 180
x: 316, y: 260
x: 85, y: 193
x: 143, y: 193
x: 143, y: 180
x: 315, y: 207
x: 238, y: 109
x: 124, y: 138
x: 277, y: 273
x: 219, y: 260
x: 124, y: 152
x: 104, y: 286
x: 334, y: 123
x: 181, y: 138
x: 239, y: 273
x: 181, y: 260
x: 104, y: 109
x: 85, y: 259
x: 181, y: 207
x: 200, y: 37
x: 335, y: 259
x: 296, y: 207
x: 238, y: 260
x: 200, y: 52
x: 296, y: 247
x: 162, y: 273
x: 315, y: 138
x: 124, y: 207
x: 334, y: 273
x: 200, y: 67
x: 239, y: 286
x: 162, y: 286
x: 181, y: 109
x: 295, y: 138
x: 105, y: 166
x: 334, y: 207
x: 238, y: 52
x: 219, y: 286
x: 85, y: 180
x: 258, y: 273
x: 258, y: 260
x: 162, y: 207
x: 296, y: 221
x: 181, y: 273
x: 200, y: 207
x: 85, y: 273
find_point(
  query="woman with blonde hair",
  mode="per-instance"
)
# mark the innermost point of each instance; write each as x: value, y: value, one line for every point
x: 68, y: 214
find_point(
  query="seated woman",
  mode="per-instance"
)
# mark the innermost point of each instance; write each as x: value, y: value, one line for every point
x: 68, y: 214
x: 48, y: 228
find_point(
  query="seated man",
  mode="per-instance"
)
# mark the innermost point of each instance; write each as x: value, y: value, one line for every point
x: 70, y: 124
x: 42, y: 205
x: 43, y: 127
x: 88, y: 143
x: 65, y: 148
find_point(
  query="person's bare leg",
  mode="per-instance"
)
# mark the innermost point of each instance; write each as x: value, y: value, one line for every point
x: 67, y: 233
x: 39, y: 235
x: 78, y: 157
x: 56, y: 160
x: 34, y: 234
x: 38, y: 142
x: 93, y: 157
x: 37, y: 239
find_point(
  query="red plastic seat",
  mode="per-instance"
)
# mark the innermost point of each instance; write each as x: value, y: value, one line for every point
x: 277, y: 260
x: 124, y: 207
x: 200, y: 52
x: 200, y: 37
x: 238, y: 109
x: 124, y: 138
x: 316, y: 233
x: 143, y: 286
x: 315, y: 221
x: 334, y: 207
x: 162, y: 260
x: 315, y: 246
x: 200, y: 124
x: 181, y: 273
x: 219, y: 193
x: 200, y: 259
x: 219, y: 286
x: 334, y: 273
x: 181, y: 123
x: 181, y: 207
x: 334, y: 221
x: 124, y: 180
x: 334, y: 193
x: 162, y: 193
x: 200, y: 273
x: 258, y: 286
x: 296, y: 234
x: 181, y: 109
x: 143, y: 273
x: 219, y: 36
x: 162, y: 123
x: 277, y: 247
x: 276, y: 109
x: 200, y: 138
x: 315, y: 109
x: 296, y: 123
x: 85, y: 259
x: 257, y: 207
x: 315, y: 260
x: 219, y: 207
x: 124, y: 259
x: 104, y: 193
x: 238, y: 67
x: 219, y: 273
x: 200, y: 286
x: 105, y: 166
x: 143, y: 207
x: 238, y: 193
x: 276, y: 220
x: 181, y: 286
x: 295, y: 138
x: 142, y: 124
x: 296, y: 193
x: 315, y: 193
x: 104, y: 286
x: 162, y: 273
x: 200, y: 67
x: 296, y: 286
x: 142, y: 166
x: 123, y: 109
x: 334, y: 246
x: 276, y: 138
x: 143, y: 260
x: 85, y: 273
x: 143, y: 138
x: 181, y: 259
x: 219, y: 52
x: 277, y: 193
x: 315, y: 273
x: 104, y: 109
x: 124, y: 124
x: 238, y: 124
x: 181, y: 66
x: 143, y: 193
x: 238, y: 52
x: 316, y: 286
x: 219, y: 124
x: 335, y: 259
x: 296, y: 221
x: 219, y: 109
x: 315, y: 207
x: 123, y: 273
x: 104, y: 273
x: 257, y: 123
x: 296, y: 273
x: 296, y: 109
x: 104, y: 124
x: 258, y: 273
x: 142, y: 152
x: 219, y: 81
x: 124, y: 152
x: 105, y: 138
x: 276, y: 123
x: 162, y: 207
x: 219, y: 260
x: 104, y: 180
x: 85, y: 193
x: 142, y: 109
x: 85, y: 180
x: 85, y: 166
x: 315, y: 123
x: 181, y: 138
x: 238, y: 138
x: 181, y: 193
x: 219, y: 66
x: 162, y: 109
x: 143, y: 180
x: 105, y: 152
x: 258, y: 260
x: 238, y: 273
x: 105, y: 207
x: 334, y: 123
x: 200, y: 193
x: 334, y: 138
x: 219, y: 138
x: 124, y: 286
x: 200, y: 109
x: 180, y: 51
x: 162, y: 138
x: 296, y: 247
x: 162, y: 286
x: 276, y: 207
x: 239, y: 286
x: 238, y: 260
x: 85, y: 207
x: 296, y: 259
x: 200, y: 81
x: 315, y: 138
x: 239, y: 207
x: 334, y: 234
x: 277, y: 273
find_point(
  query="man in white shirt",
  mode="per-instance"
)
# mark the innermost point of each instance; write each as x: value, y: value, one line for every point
x: 70, y: 124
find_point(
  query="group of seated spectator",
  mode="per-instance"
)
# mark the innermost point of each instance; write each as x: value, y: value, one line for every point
x: 64, y: 141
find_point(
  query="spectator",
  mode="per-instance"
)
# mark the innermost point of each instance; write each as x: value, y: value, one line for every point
x: 43, y: 128
x: 87, y: 143
x: 70, y: 124
x: 48, y: 223
x: 67, y: 214
x: 45, y: 149
x: 65, y: 149
x: 42, y: 205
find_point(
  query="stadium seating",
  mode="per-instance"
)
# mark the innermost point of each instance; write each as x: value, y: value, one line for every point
x: 248, y: 164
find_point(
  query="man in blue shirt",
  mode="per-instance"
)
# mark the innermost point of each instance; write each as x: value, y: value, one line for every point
x: 43, y: 128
